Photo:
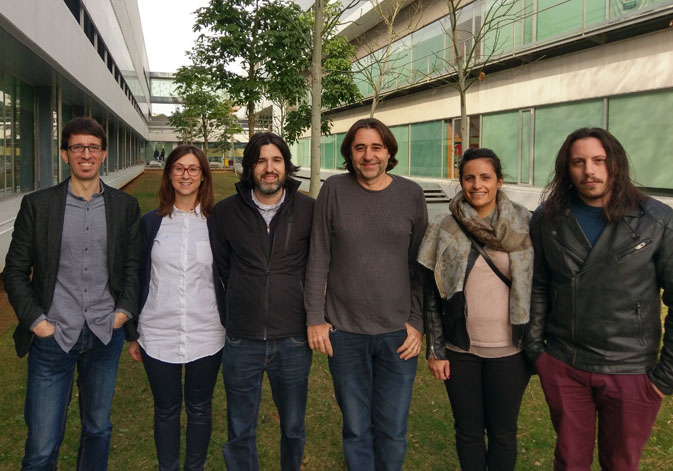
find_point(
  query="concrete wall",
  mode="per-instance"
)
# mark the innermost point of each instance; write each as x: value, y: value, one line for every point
x: 639, y: 64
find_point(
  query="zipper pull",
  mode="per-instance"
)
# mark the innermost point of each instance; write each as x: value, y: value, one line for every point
x: 640, y: 246
x: 268, y: 229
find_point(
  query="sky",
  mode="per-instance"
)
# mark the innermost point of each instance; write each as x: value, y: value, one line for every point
x: 167, y: 26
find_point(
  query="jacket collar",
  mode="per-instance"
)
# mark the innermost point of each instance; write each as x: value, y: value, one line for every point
x: 615, y: 237
x: 291, y: 187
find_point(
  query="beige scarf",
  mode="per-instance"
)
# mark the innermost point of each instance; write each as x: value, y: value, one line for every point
x: 445, y: 249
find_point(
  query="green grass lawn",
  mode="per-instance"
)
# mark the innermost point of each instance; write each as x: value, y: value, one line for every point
x: 430, y: 437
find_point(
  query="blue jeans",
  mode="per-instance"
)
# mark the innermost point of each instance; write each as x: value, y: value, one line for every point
x: 287, y: 362
x: 166, y: 384
x: 49, y: 388
x: 373, y: 388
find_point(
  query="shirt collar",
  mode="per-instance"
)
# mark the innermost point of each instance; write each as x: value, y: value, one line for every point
x: 267, y: 207
x: 95, y: 195
x: 196, y: 211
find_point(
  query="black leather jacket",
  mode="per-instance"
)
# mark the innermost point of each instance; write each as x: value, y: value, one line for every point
x: 599, y: 308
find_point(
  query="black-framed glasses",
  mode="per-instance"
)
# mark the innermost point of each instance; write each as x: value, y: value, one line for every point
x: 79, y: 149
x: 192, y: 170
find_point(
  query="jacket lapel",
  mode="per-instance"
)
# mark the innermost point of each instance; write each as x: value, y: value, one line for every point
x: 614, y: 238
x: 111, y: 221
x: 55, y: 215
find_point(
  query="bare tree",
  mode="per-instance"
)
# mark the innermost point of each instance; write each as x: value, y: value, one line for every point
x: 385, y: 63
x: 475, y: 39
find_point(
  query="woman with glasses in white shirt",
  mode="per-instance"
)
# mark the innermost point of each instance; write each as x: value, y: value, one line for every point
x: 179, y: 327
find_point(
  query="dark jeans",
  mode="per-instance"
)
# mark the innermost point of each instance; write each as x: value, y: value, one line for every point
x: 49, y: 388
x: 166, y: 383
x: 373, y: 388
x: 287, y: 363
x: 626, y: 407
x: 486, y: 393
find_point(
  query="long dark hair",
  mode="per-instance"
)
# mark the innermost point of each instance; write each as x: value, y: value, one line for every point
x: 624, y: 195
x: 386, y: 136
x: 204, y: 197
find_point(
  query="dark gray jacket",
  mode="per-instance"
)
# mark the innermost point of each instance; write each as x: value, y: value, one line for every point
x: 598, y: 308
x: 32, y: 261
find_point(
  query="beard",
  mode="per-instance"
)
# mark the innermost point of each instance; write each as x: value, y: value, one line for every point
x: 269, y: 188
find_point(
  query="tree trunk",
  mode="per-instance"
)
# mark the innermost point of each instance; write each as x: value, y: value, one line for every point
x: 251, y: 119
x: 316, y: 102
x: 464, y: 125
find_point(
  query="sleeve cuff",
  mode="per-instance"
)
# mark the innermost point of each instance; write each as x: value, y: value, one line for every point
x: 41, y: 318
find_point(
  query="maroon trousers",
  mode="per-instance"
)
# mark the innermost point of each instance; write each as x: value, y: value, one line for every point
x: 625, y: 405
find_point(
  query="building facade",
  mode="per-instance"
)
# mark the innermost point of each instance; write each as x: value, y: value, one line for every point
x: 63, y: 59
x: 553, y: 66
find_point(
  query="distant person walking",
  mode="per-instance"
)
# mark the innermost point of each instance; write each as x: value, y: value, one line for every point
x: 179, y: 328
x: 477, y: 303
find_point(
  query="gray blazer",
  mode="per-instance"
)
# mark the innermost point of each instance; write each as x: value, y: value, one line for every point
x: 32, y: 261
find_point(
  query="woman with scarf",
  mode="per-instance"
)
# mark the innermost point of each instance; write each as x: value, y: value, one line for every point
x: 479, y: 262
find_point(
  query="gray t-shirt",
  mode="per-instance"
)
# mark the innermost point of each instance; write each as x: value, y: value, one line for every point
x: 362, y: 274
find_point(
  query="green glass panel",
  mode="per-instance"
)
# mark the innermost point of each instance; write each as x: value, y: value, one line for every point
x: 595, y: 12
x: 528, y: 21
x: 643, y: 125
x: 327, y: 152
x: 629, y: 7
x: 524, y: 158
x: 555, y: 18
x: 426, y: 149
x: 500, y: 17
x: 396, y: 71
x: 427, y: 51
x: 339, y: 160
x: 552, y: 125
x: 500, y: 132
x: 401, y: 134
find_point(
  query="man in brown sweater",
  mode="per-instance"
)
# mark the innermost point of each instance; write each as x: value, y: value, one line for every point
x: 363, y: 294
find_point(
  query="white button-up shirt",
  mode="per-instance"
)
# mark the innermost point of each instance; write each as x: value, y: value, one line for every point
x: 180, y: 322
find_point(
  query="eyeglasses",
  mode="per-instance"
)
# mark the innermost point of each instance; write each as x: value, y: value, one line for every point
x: 192, y: 170
x: 79, y: 149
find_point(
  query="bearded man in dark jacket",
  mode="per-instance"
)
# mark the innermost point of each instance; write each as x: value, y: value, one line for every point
x: 261, y: 243
x: 603, y: 253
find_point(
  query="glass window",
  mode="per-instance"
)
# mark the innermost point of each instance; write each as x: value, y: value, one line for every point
x: 555, y: 18
x: 643, y: 125
x: 25, y: 141
x: 112, y: 146
x: 327, y: 152
x: 427, y: 51
x: 500, y: 132
x: 426, y: 149
x: 503, y: 24
x: 525, y: 147
x: 339, y: 158
x: 552, y: 125
x: 401, y: 134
